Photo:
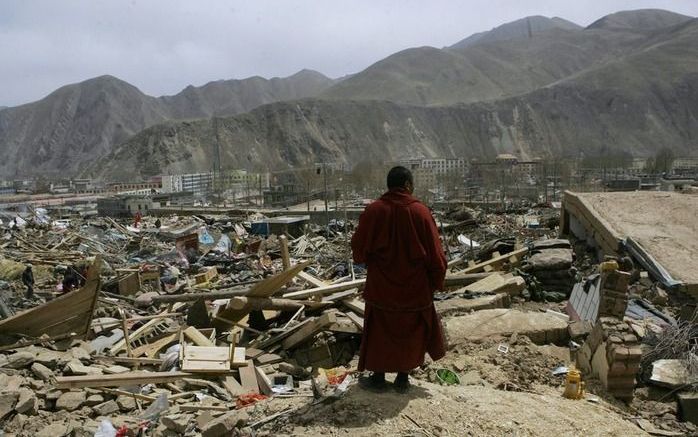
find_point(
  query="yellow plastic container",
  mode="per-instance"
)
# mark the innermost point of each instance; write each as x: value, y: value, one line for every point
x: 574, y: 386
x: 608, y: 266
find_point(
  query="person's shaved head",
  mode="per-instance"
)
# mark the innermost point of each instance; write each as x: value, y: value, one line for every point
x: 398, y: 177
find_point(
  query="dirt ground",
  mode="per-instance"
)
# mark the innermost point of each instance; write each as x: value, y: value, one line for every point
x: 500, y: 394
x: 664, y: 223
x: 433, y: 410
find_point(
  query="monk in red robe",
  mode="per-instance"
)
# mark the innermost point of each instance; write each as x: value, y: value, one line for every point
x: 398, y: 241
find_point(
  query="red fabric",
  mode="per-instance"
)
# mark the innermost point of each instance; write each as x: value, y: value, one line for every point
x: 398, y: 241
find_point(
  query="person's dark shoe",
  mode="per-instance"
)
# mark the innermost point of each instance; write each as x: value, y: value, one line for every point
x: 375, y: 383
x: 402, y: 383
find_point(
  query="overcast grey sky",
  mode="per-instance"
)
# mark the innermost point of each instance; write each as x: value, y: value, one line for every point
x: 161, y: 46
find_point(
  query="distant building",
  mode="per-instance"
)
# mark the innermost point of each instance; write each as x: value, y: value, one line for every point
x: 181, y: 198
x: 622, y: 184
x: 282, y: 195
x: 130, y: 188
x: 427, y: 172
x: 123, y: 205
x: 200, y: 184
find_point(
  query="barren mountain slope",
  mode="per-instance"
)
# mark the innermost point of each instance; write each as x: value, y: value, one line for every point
x: 78, y: 123
x: 637, y: 103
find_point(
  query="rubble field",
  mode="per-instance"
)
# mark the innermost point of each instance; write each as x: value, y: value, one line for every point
x: 214, y: 325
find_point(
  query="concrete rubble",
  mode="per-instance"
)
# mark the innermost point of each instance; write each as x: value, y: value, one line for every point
x: 208, y: 325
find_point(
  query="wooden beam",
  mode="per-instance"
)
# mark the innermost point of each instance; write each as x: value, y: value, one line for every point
x: 312, y: 280
x: 120, y: 379
x: 263, y: 303
x: 248, y: 378
x: 322, y: 291
x: 197, y: 337
x: 497, y: 260
x: 269, y: 286
x: 357, y: 319
x: 309, y: 330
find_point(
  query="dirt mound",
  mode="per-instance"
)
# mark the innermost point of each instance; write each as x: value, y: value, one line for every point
x: 521, y: 368
x: 430, y: 409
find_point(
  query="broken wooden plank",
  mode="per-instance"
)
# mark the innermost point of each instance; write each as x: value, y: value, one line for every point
x: 263, y: 303
x: 238, y: 357
x: 151, y: 350
x: 118, y: 380
x: 356, y: 319
x: 129, y: 360
x: 248, y: 378
x: 309, y: 330
x: 263, y: 381
x: 494, y: 261
x: 200, y: 407
x: 357, y: 306
x: 312, y: 280
x: 329, y: 289
x: 68, y: 314
x: 142, y: 331
x: 232, y: 386
x: 272, y: 284
x: 341, y: 295
x: 197, y: 337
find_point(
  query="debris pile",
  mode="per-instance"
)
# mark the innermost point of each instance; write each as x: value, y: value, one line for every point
x: 217, y: 325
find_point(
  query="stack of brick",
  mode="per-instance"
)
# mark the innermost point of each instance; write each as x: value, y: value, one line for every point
x: 612, y: 353
x: 614, y: 293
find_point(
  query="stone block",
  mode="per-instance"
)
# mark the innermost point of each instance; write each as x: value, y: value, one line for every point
x: 579, y: 329
x: 541, y: 328
x: 224, y: 425
x: 126, y: 403
x: 106, y: 408
x: 42, y: 372
x: 634, y: 353
x: 71, y: 401
x: 7, y: 403
x: 20, y: 360
x: 26, y: 404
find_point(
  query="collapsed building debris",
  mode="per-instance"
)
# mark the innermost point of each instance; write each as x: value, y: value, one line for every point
x: 212, y: 325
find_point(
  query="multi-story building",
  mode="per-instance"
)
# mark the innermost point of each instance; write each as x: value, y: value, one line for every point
x: 200, y: 184
x: 444, y: 165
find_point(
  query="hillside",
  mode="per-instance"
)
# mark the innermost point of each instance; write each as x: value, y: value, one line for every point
x: 77, y: 123
x: 637, y: 103
x: 512, y: 59
x: 643, y: 19
x: 523, y: 28
x: 626, y: 82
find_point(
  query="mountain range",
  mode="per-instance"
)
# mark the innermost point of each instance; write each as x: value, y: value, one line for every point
x: 536, y: 87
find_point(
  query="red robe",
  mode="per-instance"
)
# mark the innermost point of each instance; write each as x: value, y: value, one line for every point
x: 398, y: 241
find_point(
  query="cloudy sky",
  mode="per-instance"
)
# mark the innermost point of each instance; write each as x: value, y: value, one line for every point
x: 161, y: 46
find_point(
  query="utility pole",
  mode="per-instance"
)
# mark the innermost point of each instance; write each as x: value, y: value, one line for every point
x: 327, y: 211
x: 545, y: 181
x: 261, y: 197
